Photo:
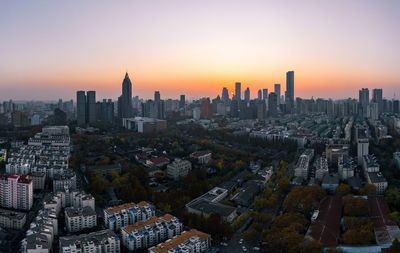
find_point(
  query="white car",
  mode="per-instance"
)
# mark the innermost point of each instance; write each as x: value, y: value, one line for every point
x: 240, y: 241
x: 256, y: 248
x: 244, y: 248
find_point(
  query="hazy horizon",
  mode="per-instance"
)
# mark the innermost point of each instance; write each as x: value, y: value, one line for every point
x: 52, y: 49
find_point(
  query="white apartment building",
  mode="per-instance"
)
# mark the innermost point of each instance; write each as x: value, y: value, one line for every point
x: 67, y: 180
x: 77, y: 219
x: 178, y: 168
x: 346, y: 167
x: 126, y: 214
x: 143, y: 235
x: 192, y: 241
x: 16, y: 192
x: 321, y: 167
x: 104, y: 241
x: 12, y: 219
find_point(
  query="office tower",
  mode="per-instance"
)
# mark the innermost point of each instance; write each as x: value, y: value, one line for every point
x: 182, y: 101
x: 205, y: 108
x: 238, y: 91
x: 289, y: 91
x: 377, y: 97
x: 363, y: 100
x: 259, y: 96
x: 277, y: 90
x: 105, y: 111
x: 125, y: 108
x: 265, y: 94
x: 374, y: 111
x: 225, y: 95
x: 81, y: 108
x: 91, y: 107
x: 157, y: 96
x: 16, y: 192
x: 247, y: 94
x: 272, y: 104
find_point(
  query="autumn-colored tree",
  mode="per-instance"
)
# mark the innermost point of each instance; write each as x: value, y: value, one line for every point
x: 304, y: 199
x: 355, y: 206
x: 294, y: 220
x: 283, y: 183
x: 343, y: 189
x: 368, y: 189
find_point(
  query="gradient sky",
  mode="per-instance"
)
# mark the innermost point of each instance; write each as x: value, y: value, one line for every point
x: 50, y: 49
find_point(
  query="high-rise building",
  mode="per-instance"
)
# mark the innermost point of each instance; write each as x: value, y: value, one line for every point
x: 377, y: 97
x: 81, y: 108
x: 265, y: 94
x: 259, y: 95
x: 125, y: 108
x: 225, y: 95
x: 91, y: 107
x: 238, y: 91
x: 157, y: 96
x: 16, y: 192
x: 272, y: 104
x: 363, y: 99
x: 290, y: 91
x: 277, y: 90
x: 247, y: 94
x: 182, y: 102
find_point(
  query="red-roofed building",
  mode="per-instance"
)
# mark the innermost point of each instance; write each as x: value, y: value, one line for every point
x: 325, y: 226
x: 202, y: 157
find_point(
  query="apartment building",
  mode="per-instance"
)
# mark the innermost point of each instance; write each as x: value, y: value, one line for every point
x: 77, y: 219
x: 16, y: 192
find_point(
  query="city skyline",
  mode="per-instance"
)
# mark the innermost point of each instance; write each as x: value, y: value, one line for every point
x: 89, y: 47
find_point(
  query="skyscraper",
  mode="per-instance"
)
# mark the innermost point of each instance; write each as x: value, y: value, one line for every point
x: 157, y: 96
x: 238, y: 91
x: 182, y: 101
x: 247, y: 94
x: 377, y: 97
x: 225, y: 94
x: 277, y: 90
x: 260, y: 97
x: 290, y: 91
x: 265, y: 94
x: 125, y: 109
x: 363, y: 100
x: 81, y: 108
x: 91, y: 107
x: 272, y: 104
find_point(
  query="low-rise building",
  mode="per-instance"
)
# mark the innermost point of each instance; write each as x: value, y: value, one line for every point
x: 104, y: 241
x: 370, y: 164
x: 144, y: 125
x: 377, y: 179
x: 192, y: 241
x: 178, y: 168
x: 145, y: 234
x: 117, y: 217
x: 77, y: 219
x: 303, y: 164
x: 202, y: 157
x: 12, y: 219
x: 203, y: 207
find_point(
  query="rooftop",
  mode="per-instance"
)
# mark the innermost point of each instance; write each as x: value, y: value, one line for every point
x: 176, y: 241
x: 125, y: 206
x: 130, y: 228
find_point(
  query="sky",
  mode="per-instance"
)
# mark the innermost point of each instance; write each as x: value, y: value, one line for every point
x: 50, y: 49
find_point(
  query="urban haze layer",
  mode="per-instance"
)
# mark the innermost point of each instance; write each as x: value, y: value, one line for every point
x: 234, y: 173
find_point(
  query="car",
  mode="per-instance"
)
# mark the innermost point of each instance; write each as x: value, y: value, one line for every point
x: 244, y: 248
x: 256, y: 248
x: 240, y: 241
x: 223, y: 244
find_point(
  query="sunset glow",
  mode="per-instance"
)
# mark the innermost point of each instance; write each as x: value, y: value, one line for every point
x: 197, y: 48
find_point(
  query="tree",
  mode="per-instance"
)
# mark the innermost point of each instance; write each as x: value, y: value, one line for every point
x: 283, y: 184
x: 304, y: 199
x: 343, y: 189
x: 355, y: 206
x: 395, y: 248
x: 368, y: 189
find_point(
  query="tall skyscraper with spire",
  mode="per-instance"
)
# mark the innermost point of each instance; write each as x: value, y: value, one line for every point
x: 125, y: 109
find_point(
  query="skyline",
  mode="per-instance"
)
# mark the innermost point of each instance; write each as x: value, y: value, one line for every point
x: 52, y: 50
